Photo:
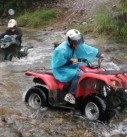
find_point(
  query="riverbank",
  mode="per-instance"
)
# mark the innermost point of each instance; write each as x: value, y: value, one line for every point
x: 72, y: 12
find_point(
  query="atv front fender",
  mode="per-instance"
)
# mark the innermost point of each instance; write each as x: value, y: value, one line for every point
x: 93, y: 77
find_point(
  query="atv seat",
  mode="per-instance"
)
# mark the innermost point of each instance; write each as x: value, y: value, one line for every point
x: 48, y: 79
x: 61, y: 85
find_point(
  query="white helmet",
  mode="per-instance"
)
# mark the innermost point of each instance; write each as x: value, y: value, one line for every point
x: 12, y: 23
x: 74, y: 36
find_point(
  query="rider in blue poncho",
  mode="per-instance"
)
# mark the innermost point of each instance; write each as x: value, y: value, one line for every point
x: 65, y: 63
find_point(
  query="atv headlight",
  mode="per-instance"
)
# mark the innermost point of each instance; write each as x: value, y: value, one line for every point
x: 22, y: 50
x: 126, y: 90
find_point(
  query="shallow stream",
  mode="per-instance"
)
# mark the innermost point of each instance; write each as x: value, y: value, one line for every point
x: 17, y: 119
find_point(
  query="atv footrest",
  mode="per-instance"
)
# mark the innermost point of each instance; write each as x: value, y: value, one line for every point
x: 66, y: 105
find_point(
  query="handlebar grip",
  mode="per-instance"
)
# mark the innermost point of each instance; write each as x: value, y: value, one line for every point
x: 82, y: 60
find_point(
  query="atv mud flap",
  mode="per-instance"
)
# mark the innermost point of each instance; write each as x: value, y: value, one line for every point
x: 56, y: 99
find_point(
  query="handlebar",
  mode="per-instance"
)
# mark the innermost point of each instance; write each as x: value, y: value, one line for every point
x: 95, y: 66
x: 90, y: 65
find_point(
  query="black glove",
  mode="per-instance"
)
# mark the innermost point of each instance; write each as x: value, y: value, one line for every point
x: 82, y: 60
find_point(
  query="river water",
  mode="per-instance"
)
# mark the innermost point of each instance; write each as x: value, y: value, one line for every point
x: 17, y: 119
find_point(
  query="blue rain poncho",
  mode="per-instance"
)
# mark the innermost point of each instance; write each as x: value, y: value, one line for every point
x: 64, y: 72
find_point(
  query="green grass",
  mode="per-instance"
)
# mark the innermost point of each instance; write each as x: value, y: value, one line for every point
x: 112, y: 27
x: 101, y: 24
x: 40, y: 17
x: 83, y: 28
x: 104, y: 24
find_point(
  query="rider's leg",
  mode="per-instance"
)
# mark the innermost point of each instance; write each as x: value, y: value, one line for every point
x: 70, y: 96
x: 74, y: 83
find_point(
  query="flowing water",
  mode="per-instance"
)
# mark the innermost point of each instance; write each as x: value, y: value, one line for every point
x: 17, y: 119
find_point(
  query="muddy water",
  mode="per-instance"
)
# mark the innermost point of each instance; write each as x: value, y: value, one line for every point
x: 17, y: 119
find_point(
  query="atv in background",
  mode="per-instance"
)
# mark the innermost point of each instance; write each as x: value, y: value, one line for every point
x: 100, y: 93
x: 10, y: 48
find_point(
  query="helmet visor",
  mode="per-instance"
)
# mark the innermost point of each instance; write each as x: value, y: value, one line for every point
x: 78, y: 39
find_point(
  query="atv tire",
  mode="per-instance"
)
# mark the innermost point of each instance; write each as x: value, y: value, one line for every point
x: 35, y: 98
x: 2, y: 56
x: 95, y: 108
x: 9, y: 56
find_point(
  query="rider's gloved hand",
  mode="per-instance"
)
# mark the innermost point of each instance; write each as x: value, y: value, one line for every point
x: 74, y: 60
x: 14, y: 36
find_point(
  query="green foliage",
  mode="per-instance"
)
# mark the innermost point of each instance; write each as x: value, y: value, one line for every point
x: 83, y: 28
x: 1, y: 9
x: 5, y: 6
x: 123, y: 5
x: 102, y: 22
x: 23, y: 20
x: 40, y: 17
x: 21, y: 5
x: 9, y: 5
x: 119, y: 30
x: 105, y: 23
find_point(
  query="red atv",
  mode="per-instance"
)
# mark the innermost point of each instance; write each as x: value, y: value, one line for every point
x: 100, y: 92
